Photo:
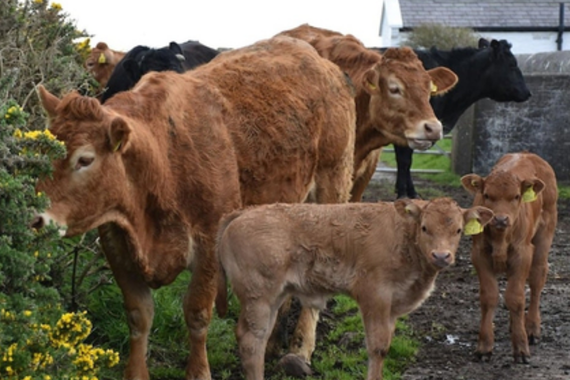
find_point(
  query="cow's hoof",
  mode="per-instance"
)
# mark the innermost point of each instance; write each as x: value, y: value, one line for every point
x: 483, y: 356
x: 522, y: 359
x: 532, y: 340
x: 295, y: 366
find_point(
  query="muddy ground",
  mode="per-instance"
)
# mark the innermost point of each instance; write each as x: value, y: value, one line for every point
x: 447, y: 323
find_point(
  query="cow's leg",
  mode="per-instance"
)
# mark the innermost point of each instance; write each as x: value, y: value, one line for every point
x: 379, y: 327
x: 364, y: 174
x: 515, y: 301
x: 536, y: 281
x: 137, y: 297
x: 256, y: 321
x: 198, y: 303
x: 404, y: 184
x: 488, y: 299
x: 303, y: 341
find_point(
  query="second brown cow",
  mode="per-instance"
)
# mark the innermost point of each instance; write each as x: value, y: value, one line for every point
x: 521, y: 190
x: 386, y: 256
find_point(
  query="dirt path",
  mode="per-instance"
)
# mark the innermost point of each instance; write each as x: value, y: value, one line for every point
x: 447, y: 323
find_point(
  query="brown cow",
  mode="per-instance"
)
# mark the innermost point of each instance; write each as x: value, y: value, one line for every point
x: 386, y: 256
x: 102, y: 61
x: 392, y: 98
x: 156, y: 167
x: 521, y: 190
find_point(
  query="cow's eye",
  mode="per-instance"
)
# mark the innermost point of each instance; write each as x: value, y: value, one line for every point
x: 459, y: 231
x: 486, y: 196
x: 517, y: 197
x: 424, y: 229
x: 84, y: 162
x: 394, y: 90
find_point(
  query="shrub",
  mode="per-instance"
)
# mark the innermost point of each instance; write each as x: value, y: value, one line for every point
x: 442, y: 37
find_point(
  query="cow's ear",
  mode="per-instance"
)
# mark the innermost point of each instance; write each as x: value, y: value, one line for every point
x: 530, y: 188
x: 102, y: 46
x: 177, y: 50
x: 132, y: 69
x: 472, y: 183
x: 119, y: 134
x: 370, y: 81
x: 442, y: 80
x: 475, y: 219
x: 49, y: 101
x: 408, y: 209
x: 483, y: 43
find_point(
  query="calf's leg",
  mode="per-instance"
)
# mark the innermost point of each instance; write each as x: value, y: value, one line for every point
x: 378, y: 327
x: 488, y: 299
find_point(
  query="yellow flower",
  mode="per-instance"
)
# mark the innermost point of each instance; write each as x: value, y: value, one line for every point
x: 47, y: 377
x: 9, y: 371
x: 38, y: 1
x: 56, y: 6
x: 17, y: 133
x: 27, y: 313
x: 36, y: 254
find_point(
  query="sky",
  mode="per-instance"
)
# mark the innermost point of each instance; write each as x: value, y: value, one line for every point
x: 124, y: 24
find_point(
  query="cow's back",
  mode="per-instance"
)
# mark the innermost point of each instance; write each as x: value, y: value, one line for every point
x: 290, y: 113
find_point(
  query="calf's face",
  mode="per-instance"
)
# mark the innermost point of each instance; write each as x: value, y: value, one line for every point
x: 439, y: 225
x: 504, y: 193
x: 101, y: 62
x: 400, y: 90
x: 87, y: 185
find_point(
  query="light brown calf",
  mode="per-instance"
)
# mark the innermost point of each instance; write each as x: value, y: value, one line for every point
x: 155, y: 168
x: 521, y: 190
x: 392, y: 96
x: 386, y: 256
x: 102, y: 61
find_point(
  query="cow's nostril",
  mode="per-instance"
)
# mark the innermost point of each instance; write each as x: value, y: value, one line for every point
x: 428, y: 128
x: 37, y: 222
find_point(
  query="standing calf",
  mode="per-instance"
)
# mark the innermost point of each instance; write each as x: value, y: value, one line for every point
x: 521, y: 190
x: 386, y: 256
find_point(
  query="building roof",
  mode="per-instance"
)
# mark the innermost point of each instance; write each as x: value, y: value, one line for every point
x: 485, y: 14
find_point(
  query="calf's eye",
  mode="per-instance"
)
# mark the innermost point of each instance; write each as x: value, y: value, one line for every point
x: 485, y: 196
x: 424, y: 229
x: 459, y: 231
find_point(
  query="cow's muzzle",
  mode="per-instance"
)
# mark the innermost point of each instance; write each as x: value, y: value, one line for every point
x: 441, y: 259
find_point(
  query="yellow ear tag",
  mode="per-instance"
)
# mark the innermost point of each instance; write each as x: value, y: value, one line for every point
x: 433, y: 88
x: 473, y: 227
x: 372, y: 86
x: 117, y: 146
x: 102, y: 59
x: 529, y: 195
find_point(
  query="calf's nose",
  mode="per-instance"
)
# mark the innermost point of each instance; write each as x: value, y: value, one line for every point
x: 441, y: 259
x: 500, y: 221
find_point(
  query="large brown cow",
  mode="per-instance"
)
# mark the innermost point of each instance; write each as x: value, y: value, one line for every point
x: 102, y: 61
x: 521, y: 190
x: 385, y: 256
x: 392, y: 96
x: 156, y: 167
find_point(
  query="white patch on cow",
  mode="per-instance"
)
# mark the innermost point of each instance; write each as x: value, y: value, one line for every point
x: 311, y: 196
x: 510, y: 161
x: 419, y: 139
x: 190, y: 252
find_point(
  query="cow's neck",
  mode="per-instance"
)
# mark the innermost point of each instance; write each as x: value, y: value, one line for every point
x: 468, y: 64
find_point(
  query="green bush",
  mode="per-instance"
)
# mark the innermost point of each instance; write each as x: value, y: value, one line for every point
x: 442, y: 37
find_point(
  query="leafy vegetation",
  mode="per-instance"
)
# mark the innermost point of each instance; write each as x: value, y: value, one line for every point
x: 442, y: 37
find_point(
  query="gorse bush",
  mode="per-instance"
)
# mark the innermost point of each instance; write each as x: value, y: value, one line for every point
x: 38, y: 340
x: 442, y: 37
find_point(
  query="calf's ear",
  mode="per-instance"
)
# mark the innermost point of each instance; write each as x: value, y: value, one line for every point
x: 370, y: 81
x: 49, y: 101
x: 475, y: 219
x: 530, y: 188
x: 442, y: 80
x: 483, y: 43
x: 119, y: 134
x: 472, y: 183
x: 408, y: 209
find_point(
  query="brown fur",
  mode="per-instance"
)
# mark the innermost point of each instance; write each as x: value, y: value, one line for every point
x: 267, y: 123
x: 382, y: 118
x: 102, y: 71
x: 378, y: 254
x: 517, y: 244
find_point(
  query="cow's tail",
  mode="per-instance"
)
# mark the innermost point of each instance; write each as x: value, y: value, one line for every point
x: 222, y: 295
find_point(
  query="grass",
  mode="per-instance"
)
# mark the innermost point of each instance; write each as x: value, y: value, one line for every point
x: 332, y: 360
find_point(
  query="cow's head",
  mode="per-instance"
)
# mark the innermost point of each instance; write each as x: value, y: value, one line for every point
x: 400, y: 90
x: 504, y: 193
x: 439, y: 225
x: 503, y: 78
x: 101, y: 62
x: 139, y: 61
x: 89, y: 183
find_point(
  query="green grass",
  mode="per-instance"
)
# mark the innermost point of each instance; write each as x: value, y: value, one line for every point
x: 429, y: 161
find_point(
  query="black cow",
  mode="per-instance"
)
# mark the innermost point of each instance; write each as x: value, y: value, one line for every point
x: 489, y: 71
x: 142, y: 59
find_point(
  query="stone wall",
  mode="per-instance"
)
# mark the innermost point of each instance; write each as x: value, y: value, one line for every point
x: 540, y: 125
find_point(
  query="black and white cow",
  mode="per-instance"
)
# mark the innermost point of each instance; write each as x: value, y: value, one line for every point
x: 489, y: 71
x: 142, y: 59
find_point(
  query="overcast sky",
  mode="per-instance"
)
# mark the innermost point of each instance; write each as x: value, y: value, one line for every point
x: 123, y: 24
